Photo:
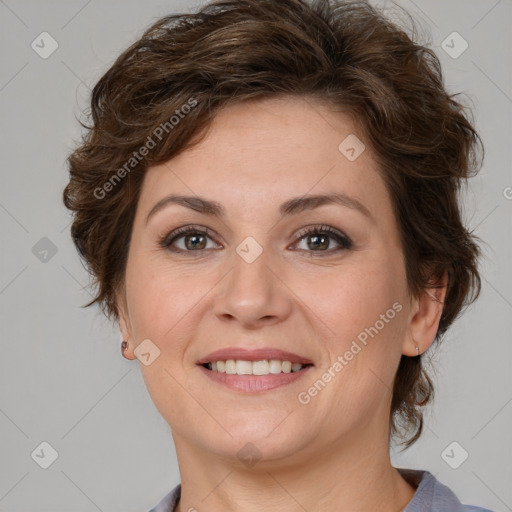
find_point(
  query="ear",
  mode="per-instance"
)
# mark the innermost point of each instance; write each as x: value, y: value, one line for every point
x: 426, y: 313
x: 125, y: 324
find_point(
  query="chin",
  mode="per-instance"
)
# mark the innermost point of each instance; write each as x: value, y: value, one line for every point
x: 265, y: 437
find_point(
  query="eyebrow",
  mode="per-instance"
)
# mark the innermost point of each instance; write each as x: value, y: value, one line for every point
x: 293, y: 206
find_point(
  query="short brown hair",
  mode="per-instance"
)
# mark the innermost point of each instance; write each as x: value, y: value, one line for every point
x: 344, y: 53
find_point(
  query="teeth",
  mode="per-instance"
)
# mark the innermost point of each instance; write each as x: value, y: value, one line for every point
x: 263, y: 367
x: 231, y: 366
x: 275, y: 366
x: 260, y: 367
x: 243, y: 367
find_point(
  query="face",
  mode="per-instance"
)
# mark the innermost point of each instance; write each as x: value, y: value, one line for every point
x: 258, y: 283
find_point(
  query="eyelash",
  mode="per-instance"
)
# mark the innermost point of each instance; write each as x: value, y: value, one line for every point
x: 344, y: 241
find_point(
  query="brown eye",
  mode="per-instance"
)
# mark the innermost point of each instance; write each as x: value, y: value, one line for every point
x: 319, y: 238
x: 318, y: 241
x: 188, y: 239
x: 191, y: 239
x: 195, y: 241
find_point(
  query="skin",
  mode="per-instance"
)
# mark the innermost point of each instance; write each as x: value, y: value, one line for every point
x: 329, y: 454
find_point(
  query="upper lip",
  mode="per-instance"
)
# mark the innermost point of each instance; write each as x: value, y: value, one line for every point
x: 252, y: 355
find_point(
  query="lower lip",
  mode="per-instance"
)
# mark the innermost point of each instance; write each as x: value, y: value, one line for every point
x: 254, y: 383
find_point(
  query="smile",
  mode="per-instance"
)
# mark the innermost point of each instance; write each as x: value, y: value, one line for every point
x: 263, y: 367
x: 253, y: 371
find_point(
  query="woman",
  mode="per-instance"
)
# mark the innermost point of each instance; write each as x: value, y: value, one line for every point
x: 267, y: 199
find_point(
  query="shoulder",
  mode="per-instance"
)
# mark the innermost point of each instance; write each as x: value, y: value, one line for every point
x: 433, y: 496
x: 169, y: 501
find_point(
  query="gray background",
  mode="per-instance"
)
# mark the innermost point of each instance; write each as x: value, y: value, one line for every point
x: 63, y: 379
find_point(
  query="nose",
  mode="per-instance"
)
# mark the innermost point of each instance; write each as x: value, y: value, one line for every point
x: 253, y: 294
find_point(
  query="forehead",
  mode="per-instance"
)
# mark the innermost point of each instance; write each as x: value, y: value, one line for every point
x: 288, y: 126
x: 268, y: 150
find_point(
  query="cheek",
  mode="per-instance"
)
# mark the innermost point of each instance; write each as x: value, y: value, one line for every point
x: 160, y: 297
x: 356, y: 297
x: 364, y: 309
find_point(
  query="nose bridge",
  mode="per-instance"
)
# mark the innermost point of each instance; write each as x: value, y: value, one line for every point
x: 252, y: 290
x: 251, y: 279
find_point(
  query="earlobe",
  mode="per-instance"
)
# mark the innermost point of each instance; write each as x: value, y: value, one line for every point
x: 127, y: 345
x: 424, y: 323
x: 127, y: 350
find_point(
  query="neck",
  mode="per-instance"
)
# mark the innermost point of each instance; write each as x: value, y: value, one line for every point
x: 350, y: 476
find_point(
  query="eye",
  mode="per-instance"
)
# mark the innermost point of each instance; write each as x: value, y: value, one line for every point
x: 194, y: 239
x: 320, y: 238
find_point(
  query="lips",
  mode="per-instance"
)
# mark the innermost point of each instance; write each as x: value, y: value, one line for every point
x: 254, y: 371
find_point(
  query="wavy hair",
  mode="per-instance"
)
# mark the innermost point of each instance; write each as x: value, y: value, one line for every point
x: 346, y: 54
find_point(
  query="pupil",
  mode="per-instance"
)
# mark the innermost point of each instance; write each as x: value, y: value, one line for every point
x: 193, y: 239
x: 318, y: 237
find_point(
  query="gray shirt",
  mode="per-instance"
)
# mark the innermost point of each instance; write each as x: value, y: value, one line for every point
x: 430, y: 496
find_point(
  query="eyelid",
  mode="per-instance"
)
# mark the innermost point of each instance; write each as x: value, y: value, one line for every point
x: 339, y: 236
x: 182, y: 231
x: 343, y: 240
x: 321, y: 228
